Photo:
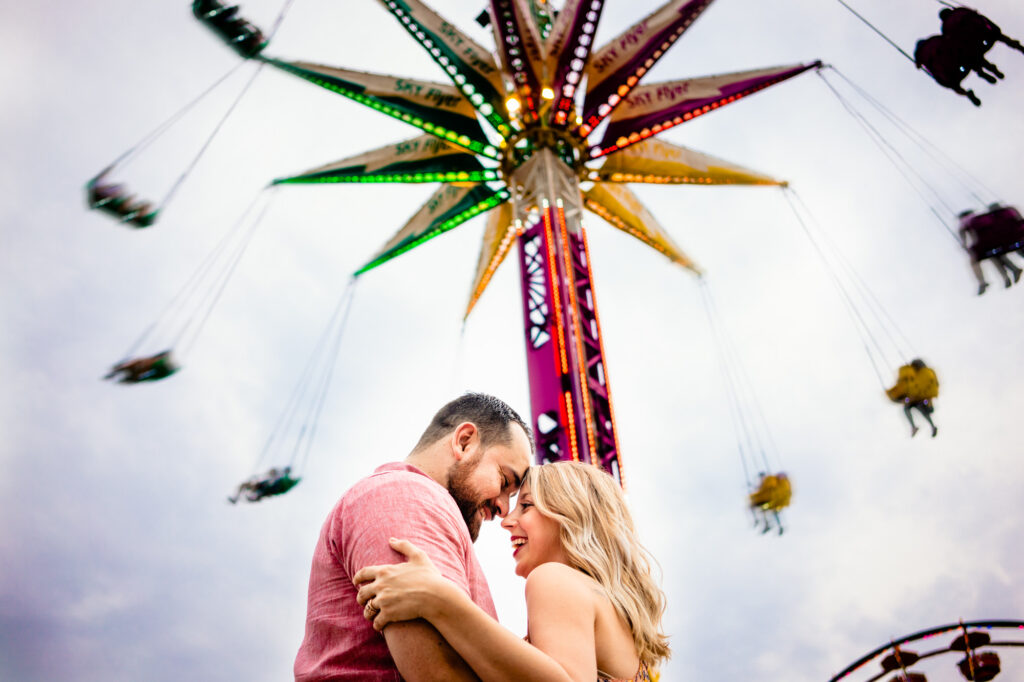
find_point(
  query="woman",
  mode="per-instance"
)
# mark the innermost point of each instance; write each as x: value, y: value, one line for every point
x: 593, y: 610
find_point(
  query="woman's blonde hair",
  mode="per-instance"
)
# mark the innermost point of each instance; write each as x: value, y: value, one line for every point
x: 597, y: 532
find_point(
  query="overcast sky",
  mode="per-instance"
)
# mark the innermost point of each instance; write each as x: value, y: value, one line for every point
x: 119, y: 556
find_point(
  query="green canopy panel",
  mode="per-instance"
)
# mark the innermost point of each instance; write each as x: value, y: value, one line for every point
x: 421, y: 159
x: 448, y: 208
x: 435, y: 108
x: 469, y: 64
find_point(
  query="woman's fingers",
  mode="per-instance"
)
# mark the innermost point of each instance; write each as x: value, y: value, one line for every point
x: 397, y: 592
x: 367, y: 592
x: 370, y: 611
x: 366, y: 574
x: 380, y: 621
x: 407, y: 548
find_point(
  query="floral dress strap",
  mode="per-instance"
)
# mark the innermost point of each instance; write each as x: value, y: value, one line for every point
x: 643, y: 674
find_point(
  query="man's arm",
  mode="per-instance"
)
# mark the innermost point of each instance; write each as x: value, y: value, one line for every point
x: 415, y: 508
x: 422, y: 654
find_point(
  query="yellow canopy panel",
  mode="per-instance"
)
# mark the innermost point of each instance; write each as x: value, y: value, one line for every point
x: 654, y: 161
x: 621, y: 208
x: 499, y: 236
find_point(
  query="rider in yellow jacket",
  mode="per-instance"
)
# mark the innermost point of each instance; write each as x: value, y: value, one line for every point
x: 772, y: 495
x: 916, y: 387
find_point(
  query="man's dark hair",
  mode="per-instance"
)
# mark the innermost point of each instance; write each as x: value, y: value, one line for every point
x: 492, y: 416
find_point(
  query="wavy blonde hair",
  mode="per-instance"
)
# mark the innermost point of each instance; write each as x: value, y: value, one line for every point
x: 597, y: 532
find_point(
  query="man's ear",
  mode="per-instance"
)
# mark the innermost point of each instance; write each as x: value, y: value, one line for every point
x: 464, y: 439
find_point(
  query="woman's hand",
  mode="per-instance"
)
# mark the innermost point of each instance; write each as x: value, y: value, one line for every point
x: 396, y: 592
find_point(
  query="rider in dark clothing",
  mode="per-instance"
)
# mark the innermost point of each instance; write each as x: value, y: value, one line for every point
x: 946, y: 65
x: 972, y: 35
x: 974, y: 30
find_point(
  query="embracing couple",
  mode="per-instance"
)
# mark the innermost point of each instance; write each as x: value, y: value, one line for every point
x: 593, y: 610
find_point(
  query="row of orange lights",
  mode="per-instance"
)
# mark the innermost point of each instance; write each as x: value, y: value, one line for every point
x: 600, y: 342
x: 661, y: 179
x: 555, y: 296
x: 499, y: 256
x: 574, y: 309
x: 556, y: 299
x: 618, y: 222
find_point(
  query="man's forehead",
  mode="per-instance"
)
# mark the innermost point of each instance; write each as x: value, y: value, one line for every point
x: 514, y: 461
x: 517, y: 462
x: 522, y: 458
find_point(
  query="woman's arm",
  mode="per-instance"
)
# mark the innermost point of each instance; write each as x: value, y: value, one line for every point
x: 560, y: 611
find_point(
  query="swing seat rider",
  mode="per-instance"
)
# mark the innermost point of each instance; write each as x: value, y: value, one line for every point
x: 916, y: 387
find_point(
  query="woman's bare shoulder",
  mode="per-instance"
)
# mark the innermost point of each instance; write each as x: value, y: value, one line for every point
x: 555, y: 578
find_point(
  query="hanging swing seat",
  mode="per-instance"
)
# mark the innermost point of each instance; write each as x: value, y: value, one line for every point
x: 242, y: 36
x: 973, y: 641
x: 999, y: 231
x: 986, y: 666
x: 137, y: 370
x: 900, y: 659
x: 114, y: 200
x: 274, y: 482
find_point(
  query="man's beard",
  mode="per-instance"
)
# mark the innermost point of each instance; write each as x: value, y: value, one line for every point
x: 465, y: 495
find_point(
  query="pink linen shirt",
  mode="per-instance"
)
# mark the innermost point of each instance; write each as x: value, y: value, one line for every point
x: 398, y: 501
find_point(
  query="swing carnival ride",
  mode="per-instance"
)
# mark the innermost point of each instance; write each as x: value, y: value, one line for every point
x: 537, y: 164
x: 569, y: 127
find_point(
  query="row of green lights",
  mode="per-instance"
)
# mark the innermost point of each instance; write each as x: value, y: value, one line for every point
x: 451, y: 223
x: 442, y: 60
x: 440, y: 131
x: 450, y: 176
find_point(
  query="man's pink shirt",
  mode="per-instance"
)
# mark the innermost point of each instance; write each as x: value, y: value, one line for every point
x: 398, y: 501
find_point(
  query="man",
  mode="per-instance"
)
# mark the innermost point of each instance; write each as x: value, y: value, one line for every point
x: 468, y: 462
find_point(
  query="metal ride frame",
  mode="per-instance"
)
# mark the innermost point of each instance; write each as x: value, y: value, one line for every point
x: 569, y: 394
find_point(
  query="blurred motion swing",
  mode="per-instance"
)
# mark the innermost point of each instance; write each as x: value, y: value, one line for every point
x: 291, y: 439
x: 179, y: 324
x: 885, y: 345
x: 988, y: 230
x: 114, y: 199
x: 957, y: 51
x: 772, y: 491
